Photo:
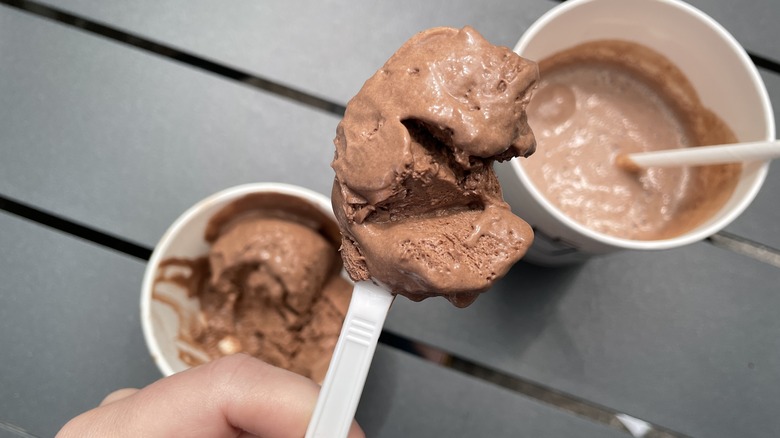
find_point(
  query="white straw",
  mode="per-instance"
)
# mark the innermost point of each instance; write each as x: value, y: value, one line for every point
x: 702, y: 155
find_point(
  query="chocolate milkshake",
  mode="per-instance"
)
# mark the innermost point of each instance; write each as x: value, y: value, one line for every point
x: 415, y: 194
x: 270, y: 286
x: 605, y: 98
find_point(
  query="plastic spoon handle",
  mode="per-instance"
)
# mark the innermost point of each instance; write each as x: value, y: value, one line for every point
x: 702, y: 155
x: 343, y: 385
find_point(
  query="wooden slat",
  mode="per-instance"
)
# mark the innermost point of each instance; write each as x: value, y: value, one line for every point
x: 330, y: 48
x: 125, y: 141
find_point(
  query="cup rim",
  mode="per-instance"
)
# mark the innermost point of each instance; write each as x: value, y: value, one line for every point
x: 162, y: 246
x: 700, y: 232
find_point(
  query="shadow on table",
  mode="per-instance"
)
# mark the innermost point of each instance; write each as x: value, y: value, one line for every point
x: 379, y: 393
x: 524, y: 306
x: 478, y: 340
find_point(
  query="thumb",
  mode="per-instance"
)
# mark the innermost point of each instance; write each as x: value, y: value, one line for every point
x: 219, y: 399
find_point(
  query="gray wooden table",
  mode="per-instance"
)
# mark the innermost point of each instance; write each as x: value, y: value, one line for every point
x: 117, y: 116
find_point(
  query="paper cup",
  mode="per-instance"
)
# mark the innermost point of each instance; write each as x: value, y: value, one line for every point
x: 162, y: 321
x: 719, y: 69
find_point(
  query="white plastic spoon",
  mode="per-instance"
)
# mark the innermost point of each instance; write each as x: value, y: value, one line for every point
x: 346, y: 376
x: 701, y: 155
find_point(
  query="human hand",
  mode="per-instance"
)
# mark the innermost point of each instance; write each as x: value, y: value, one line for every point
x: 236, y: 396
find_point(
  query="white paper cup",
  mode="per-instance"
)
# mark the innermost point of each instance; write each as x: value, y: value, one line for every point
x: 719, y: 69
x: 185, y: 239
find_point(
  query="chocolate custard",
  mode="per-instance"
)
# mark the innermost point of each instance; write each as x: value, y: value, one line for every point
x: 416, y: 197
x: 270, y: 286
x: 605, y: 98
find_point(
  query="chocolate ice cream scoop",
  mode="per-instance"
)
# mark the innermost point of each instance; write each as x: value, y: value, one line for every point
x: 270, y: 285
x: 283, y: 262
x: 419, y: 205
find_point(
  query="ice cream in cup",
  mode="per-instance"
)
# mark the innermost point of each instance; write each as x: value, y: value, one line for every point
x: 254, y: 269
x: 621, y: 77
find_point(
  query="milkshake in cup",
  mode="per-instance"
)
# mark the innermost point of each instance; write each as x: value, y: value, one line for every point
x: 717, y: 67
